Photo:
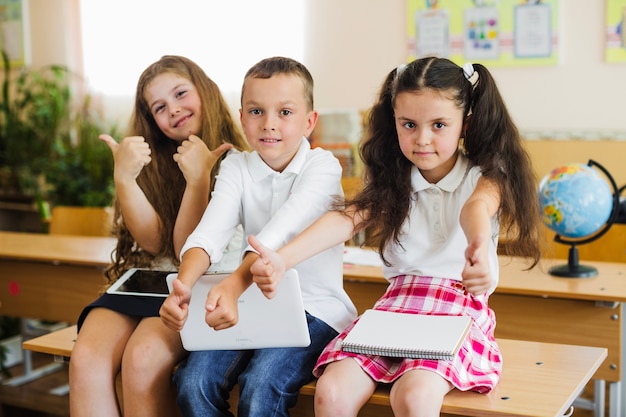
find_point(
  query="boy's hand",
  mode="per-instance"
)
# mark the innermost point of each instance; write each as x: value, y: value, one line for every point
x: 268, y: 270
x: 175, y: 308
x: 129, y: 156
x: 221, y: 308
x: 476, y: 274
x: 195, y: 160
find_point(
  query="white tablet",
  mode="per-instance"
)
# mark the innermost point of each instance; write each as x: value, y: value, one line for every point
x: 139, y: 281
x: 263, y: 323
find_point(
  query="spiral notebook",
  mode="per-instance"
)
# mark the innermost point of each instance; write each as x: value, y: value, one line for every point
x: 403, y: 335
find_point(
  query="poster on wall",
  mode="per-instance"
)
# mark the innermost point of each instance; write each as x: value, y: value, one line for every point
x: 492, y: 32
x: 12, y: 31
x: 615, y: 31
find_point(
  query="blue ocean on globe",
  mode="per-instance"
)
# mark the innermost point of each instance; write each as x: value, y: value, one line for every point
x: 575, y: 200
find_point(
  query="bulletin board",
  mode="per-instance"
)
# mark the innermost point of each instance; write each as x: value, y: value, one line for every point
x: 12, y: 31
x: 492, y: 32
x: 615, y: 31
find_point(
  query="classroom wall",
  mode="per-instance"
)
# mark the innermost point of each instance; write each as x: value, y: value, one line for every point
x: 351, y: 45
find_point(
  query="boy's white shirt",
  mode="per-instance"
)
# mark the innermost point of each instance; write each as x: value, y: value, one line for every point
x: 277, y: 206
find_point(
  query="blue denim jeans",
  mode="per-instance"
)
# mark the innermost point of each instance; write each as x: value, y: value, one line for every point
x: 269, y: 379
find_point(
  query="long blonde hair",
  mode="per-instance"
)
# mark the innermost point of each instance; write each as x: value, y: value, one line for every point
x: 161, y: 180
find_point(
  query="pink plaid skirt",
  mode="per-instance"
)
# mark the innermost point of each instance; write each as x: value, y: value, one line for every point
x: 478, y: 365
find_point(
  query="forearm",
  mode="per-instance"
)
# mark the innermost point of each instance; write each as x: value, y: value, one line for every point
x: 194, y: 202
x: 479, y: 209
x: 331, y: 229
x: 194, y: 263
x: 139, y: 216
x: 475, y: 220
x: 241, y: 278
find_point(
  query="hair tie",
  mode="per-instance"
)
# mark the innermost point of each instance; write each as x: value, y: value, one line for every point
x: 470, y: 74
x: 400, y: 68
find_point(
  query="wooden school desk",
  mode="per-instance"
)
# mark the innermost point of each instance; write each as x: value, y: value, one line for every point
x: 58, y: 275
x: 49, y: 277
x: 534, y: 305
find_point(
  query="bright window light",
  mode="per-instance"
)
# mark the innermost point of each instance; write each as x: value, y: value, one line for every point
x: 120, y: 38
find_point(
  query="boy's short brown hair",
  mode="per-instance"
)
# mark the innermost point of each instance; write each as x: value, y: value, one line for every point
x: 269, y: 67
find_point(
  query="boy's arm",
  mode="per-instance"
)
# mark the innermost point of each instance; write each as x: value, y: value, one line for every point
x: 221, y: 303
x: 310, y: 197
x: 475, y: 220
x: 174, y: 309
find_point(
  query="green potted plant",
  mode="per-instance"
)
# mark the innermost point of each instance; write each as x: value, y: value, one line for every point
x: 49, y: 151
x: 82, y: 172
x: 35, y: 113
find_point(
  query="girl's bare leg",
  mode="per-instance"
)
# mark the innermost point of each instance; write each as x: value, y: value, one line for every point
x: 418, y: 393
x: 149, y: 358
x: 342, y: 389
x: 95, y: 363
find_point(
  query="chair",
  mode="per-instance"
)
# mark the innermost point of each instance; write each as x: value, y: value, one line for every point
x: 83, y: 221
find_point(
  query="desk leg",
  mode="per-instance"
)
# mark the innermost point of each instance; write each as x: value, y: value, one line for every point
x: 615, y: 393
x: 31, y: 374
x: 618, y: 389
x: 598, y: 403
x: 599, y: 393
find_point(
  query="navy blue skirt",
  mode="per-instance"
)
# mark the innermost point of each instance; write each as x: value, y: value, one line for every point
x: 131, y: 305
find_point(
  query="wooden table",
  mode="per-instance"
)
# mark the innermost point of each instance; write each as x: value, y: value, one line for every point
x: 53, y: 277
x: 50, y: 277
x: 534, y: 305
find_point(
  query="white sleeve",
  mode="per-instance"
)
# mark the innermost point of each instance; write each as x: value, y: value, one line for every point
x: 313, y: 191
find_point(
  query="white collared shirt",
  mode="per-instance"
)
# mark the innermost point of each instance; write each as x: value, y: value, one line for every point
x: 276, y: 206
x: 433, y: 242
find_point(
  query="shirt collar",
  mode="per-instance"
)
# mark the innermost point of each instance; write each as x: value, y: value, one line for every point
x: 448, y: 183
x: 259, y: 169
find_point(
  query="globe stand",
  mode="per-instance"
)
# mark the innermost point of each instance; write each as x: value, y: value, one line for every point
x: 573, y: 269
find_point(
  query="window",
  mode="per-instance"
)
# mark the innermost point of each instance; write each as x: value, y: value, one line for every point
x: 120, y: 38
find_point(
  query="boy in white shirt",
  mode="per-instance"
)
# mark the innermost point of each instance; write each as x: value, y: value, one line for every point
x: 274, y: 192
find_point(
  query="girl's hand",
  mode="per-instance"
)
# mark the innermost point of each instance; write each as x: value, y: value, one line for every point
x: 268, y: 270
x: 195, y: 160
x: 476, y: 274
x: 129, y: 156
x: 175, y: 308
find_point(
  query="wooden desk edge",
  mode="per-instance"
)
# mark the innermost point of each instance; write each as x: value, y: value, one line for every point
x: 61, y: 342
x: 58, y: 343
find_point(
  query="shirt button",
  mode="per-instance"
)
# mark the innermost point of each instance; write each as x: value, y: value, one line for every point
x: 436, y: 206
x: 275, y: 195
x: 436, y: 226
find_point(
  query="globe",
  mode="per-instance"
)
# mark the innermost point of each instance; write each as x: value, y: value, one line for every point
x: 575, y: 200
x: 578, y: 204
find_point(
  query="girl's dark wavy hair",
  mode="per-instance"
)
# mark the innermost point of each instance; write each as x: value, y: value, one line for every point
x: 492, y: 141
x: 162, y: 181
